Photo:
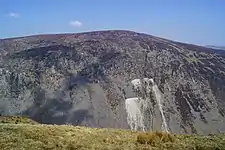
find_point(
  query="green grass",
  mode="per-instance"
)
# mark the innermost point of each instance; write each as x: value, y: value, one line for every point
x: 66, y: 137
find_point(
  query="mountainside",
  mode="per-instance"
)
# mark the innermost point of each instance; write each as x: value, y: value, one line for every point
x: 118, y: 79
x: 216, y: 47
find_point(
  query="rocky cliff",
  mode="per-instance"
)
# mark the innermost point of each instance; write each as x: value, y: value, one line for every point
x: 85, y: 79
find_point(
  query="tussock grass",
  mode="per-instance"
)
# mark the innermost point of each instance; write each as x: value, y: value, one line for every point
x: 155, y: 138
x: 67, y: 137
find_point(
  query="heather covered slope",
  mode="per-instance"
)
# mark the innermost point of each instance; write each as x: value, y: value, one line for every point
x: 85, y: 78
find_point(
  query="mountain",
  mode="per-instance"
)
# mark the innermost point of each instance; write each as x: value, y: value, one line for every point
x: 114, y: 79
x: 216, y: 47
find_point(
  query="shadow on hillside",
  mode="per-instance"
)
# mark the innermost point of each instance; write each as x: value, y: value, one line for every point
x: 58, y: 110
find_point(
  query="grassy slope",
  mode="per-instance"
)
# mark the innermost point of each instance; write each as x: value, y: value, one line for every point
x: 37, y: 136
x: 16, y: 120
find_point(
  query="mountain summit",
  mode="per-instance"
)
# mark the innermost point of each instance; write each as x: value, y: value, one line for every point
x: 98, y: 79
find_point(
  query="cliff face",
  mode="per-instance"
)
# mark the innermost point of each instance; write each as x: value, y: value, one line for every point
x: 84, y: 79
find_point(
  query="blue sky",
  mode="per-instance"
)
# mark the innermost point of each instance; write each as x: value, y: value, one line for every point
x: 193, y: 21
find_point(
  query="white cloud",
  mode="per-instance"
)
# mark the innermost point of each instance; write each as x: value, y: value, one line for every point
x: 75, y: 23
x: 14, y: 15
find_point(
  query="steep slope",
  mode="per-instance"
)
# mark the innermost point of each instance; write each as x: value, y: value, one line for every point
x: 85, y: 79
